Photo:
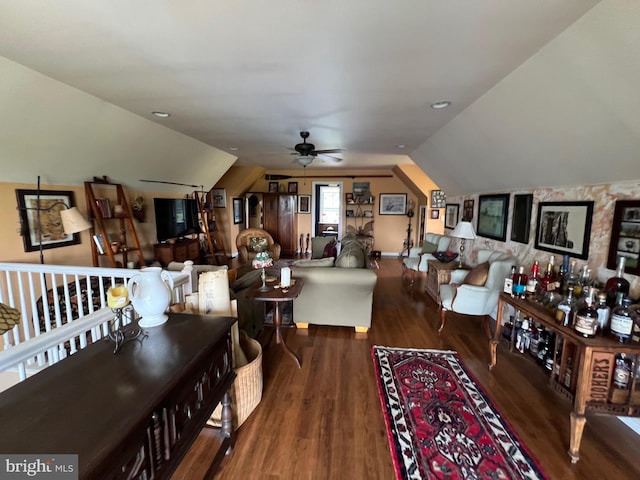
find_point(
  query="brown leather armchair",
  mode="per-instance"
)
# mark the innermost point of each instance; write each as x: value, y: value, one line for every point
x: 244, y: 244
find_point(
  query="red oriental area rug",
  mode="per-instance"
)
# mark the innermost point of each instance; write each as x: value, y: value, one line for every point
x: 441, y: 424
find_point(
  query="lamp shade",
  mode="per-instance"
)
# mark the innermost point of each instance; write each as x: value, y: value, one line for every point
x: 463, y: 230
x: 73, y: 221
x: 304, y: 160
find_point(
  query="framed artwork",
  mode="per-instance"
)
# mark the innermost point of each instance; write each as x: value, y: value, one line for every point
x: 218, y: 198
x: 292, y: 187
x: 393, y: 204
x: 625, y: 236
x: 273, y: 187
x: 350, y: 212
x: 438, y: 199
x: 304, y: 203
x: 521, y: 217
x: 349, y: 198
x: 435, y: 214
x: 361, y: 189
x: 422, y: 223
x: 451, y: 213
x: 564, y: 228
x: 51, y: 228
x: 467, y: 210
x: 238, y: 210
x: 492, y: 216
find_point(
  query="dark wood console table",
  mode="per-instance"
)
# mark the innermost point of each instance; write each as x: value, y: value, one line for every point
x: 129, y: 415
x: 589, y: 372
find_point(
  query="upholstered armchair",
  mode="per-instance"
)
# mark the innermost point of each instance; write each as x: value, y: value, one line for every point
x: 253, y: 240
x: 419, y: 256
x: 476, y: 292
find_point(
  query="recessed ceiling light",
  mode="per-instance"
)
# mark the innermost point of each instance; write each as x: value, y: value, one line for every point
x: 161, y: 114
x: 439, y: 105
x: 402, y: 145
x: 233, y: 149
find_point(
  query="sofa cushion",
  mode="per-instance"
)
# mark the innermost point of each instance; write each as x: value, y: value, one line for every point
x: 315, y: 262
x: 330, y: 250
x: 258, y: 244
x: 477, y: 275
x: 428, y: 247
x: 351, y: 256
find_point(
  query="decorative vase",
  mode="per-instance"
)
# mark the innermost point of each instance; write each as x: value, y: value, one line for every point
x: 150, y: 293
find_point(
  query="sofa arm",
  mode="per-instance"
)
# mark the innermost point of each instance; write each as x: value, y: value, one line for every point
x: 473, y: 300
x: 274, y: 251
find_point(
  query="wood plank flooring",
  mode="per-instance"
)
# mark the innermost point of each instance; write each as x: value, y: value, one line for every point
x: 324, y: 421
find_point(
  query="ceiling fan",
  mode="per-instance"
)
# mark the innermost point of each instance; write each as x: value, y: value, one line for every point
x: 306, y: 152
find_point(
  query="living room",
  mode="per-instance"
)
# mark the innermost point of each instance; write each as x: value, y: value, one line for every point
x: 557, y: 122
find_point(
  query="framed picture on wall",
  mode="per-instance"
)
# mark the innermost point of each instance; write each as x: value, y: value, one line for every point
x: 238, y: 210
x: 521, y: 217
x: 304, y: 203
x: 438, y: 199
x: 273, y: 187
x: 492, y: 216
x: 219, y: 198
x: 393, y: 203
x: 451, y: 213
x: 467, y: 210
x: 435, y: 214
x: 292, y: 187
x: 49, y: 229
x: 625, y: 236
x: 564, y: 228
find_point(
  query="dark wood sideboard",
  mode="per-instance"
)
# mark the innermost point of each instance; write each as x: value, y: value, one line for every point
x: 181, y: 250
x: 129, y: 415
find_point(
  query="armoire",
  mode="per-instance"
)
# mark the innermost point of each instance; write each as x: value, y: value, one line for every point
x: 279, y: 217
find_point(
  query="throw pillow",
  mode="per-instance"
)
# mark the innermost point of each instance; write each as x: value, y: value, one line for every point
x: 258, y: 244
x: 318, y: 244
x: 315, y: 262
x: 330, y: 250
x: 477, y: 275
x: 428, y: 247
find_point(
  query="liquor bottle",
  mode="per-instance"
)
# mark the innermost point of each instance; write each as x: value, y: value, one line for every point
x: 618, y: 284
x: 551, y: 350
x: 534, y: 279
x: 604, y: 312
x: 520, y: 283
x: 622, y: 321
x: 548, y: 282
x: 524, y: 336
x: 572, y: 276
x: 622, y: 371
x: 561, y: 281
x: 586, y: 319
x: 566, y: 309
x: 508, y: 281
x: 582, y: 288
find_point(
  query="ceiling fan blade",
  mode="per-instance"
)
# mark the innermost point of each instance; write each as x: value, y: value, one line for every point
x: 330, y: 150
x: 330, y: 158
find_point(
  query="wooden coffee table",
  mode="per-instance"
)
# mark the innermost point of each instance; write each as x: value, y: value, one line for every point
x: 278, y: 296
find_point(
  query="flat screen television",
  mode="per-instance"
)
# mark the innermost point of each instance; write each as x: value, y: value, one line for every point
x: 176, y: 217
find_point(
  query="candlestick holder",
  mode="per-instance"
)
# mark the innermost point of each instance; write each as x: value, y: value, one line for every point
x: 118, y: 332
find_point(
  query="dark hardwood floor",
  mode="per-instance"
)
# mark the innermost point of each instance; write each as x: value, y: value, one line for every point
x: 324, y: 421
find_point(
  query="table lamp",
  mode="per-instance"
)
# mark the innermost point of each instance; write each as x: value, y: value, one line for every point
x: 463, y: 231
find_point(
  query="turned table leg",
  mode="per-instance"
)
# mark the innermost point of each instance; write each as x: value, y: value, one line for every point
x: 577, y: 427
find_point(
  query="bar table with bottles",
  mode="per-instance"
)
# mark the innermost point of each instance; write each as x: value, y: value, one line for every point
x: 581, y: 369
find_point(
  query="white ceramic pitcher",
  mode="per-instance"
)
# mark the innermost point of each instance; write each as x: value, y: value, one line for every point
x: 150, y: 293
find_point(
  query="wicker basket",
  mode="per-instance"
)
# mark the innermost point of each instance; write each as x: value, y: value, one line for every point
x: 246, y: 391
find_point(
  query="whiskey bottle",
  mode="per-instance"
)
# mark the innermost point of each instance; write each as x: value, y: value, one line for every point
x: 572, y: 276
x: 618, y: 284
x: 622, y: 321
x: 586, y: 319
x: 561, y: 281
x: 604, y: 312
x: 508, y: 281
x: 520, y: 283
x: 622, y: 371
x: 534, y: 279
x: 566, y: 309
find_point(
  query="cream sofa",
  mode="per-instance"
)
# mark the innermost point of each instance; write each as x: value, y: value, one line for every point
x: 340, y: 295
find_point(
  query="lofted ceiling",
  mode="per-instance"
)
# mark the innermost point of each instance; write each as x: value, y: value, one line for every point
x: 247, y: 77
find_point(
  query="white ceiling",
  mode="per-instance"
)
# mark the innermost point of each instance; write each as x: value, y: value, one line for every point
x: 357, y: 74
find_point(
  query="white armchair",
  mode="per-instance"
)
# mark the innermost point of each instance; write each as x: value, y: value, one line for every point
x: 417, y: 261
x: 473, y: 299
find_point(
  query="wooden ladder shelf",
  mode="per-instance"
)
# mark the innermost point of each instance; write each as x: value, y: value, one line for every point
x: 102, y: 212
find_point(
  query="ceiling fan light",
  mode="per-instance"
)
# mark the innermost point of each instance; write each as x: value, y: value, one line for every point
x: 304, y: 160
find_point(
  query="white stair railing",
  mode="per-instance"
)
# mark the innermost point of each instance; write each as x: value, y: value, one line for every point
x: 63, y: 309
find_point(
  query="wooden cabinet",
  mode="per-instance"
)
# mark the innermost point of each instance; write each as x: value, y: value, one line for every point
x: 181, y: 250
x: 582, y: 370
x: 280, y: 220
